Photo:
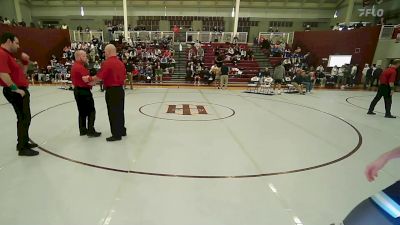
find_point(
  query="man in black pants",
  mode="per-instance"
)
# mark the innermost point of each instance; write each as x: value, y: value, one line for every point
x: 15, y: 83
x: 113, y: 73
x: 83, y: 96
x: 386, y: 89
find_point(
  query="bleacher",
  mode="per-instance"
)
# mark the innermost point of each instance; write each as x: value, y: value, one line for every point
x: 249, y: 67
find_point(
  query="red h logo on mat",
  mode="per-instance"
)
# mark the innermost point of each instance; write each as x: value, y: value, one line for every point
x: 186, y: 109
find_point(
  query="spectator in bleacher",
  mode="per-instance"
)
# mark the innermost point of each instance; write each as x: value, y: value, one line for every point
x: 359, y: 25
x: 197, y: 78
x: 231, y: 52
x: 321, y: 75
x: 79, y: 28
x: 336, y: 27
x: 1, y: 20
x: 224, y: 77
x: 278, y: 76
x: 7, y: 21
x: 200, y: 53
x: 22, y: 23
x: 14, y: 23
x: 243, y: 53
x: 270, y: 29
x: 64, y: 26
x: 250, y: 54
x: 308, y: 28
x: 158, y: 74
x: 262, y: 74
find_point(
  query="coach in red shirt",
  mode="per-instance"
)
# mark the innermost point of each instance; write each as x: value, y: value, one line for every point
x: 83, y: 96
x: 386, y: 89
x: 113, y: 74
x: 15, y: 83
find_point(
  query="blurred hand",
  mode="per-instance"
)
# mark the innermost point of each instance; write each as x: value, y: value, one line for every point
x: 371, y: 172
x: 25, y: 56
x: 21, y: 92
x: 85, y: 79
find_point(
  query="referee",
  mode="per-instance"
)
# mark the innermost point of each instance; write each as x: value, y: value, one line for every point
x: 386, y: 89
x: 113, y: 74
x: 83, y: 96
x: 15, y: 83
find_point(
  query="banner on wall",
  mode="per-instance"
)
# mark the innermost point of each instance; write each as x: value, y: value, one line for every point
x: 371, y: 8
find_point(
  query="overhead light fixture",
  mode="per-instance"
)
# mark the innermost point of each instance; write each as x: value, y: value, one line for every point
x: 82, y: 11
x: 165, y: 10
x: 336, y: 14
x: 233, y: 12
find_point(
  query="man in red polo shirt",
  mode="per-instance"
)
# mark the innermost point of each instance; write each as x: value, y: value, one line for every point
x: 15, y: 90
x: 113, y: 74
x: 386, y: 89
x: 83, y: 96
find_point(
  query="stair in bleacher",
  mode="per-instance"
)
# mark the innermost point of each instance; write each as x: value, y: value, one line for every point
x: 179, y: 75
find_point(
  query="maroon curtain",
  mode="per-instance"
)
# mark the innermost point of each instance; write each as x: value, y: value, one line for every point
x: 40, y: 44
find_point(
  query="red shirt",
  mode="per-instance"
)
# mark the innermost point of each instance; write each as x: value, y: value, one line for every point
x: 388, y: 76
x: 112, y: 72
x: 9, y: 65
x: 78, y: 71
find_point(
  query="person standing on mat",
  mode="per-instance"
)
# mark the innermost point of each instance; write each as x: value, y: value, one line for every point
x: 113, y: 74
x: 83, y: 96
x: 15, y: 89
x: 386, y: 89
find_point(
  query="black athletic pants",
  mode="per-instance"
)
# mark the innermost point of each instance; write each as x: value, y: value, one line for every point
x: 22, y: 109
x: 383, y: 91
x: 115, y: 99
x: 87, y: 112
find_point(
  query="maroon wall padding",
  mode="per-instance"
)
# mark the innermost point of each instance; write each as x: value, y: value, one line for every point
x: 321, y: 44
x: 40, y: 44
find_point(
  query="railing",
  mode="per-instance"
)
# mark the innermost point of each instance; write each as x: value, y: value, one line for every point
x: 387, y: 31
x: 273, y: 37
x: 221, y: 37
x: 78, y: 36
x: 145, y: 36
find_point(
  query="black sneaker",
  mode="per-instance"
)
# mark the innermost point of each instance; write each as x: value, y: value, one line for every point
x: 83, y: 133
x: 31, y: 145
x: 112, y: 138
x: 27, y: 152
x: 390, y: 116
x: 94, y: 134
x: 371, y: 113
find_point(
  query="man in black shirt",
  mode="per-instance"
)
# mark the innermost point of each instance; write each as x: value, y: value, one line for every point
x: 224, y: 77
